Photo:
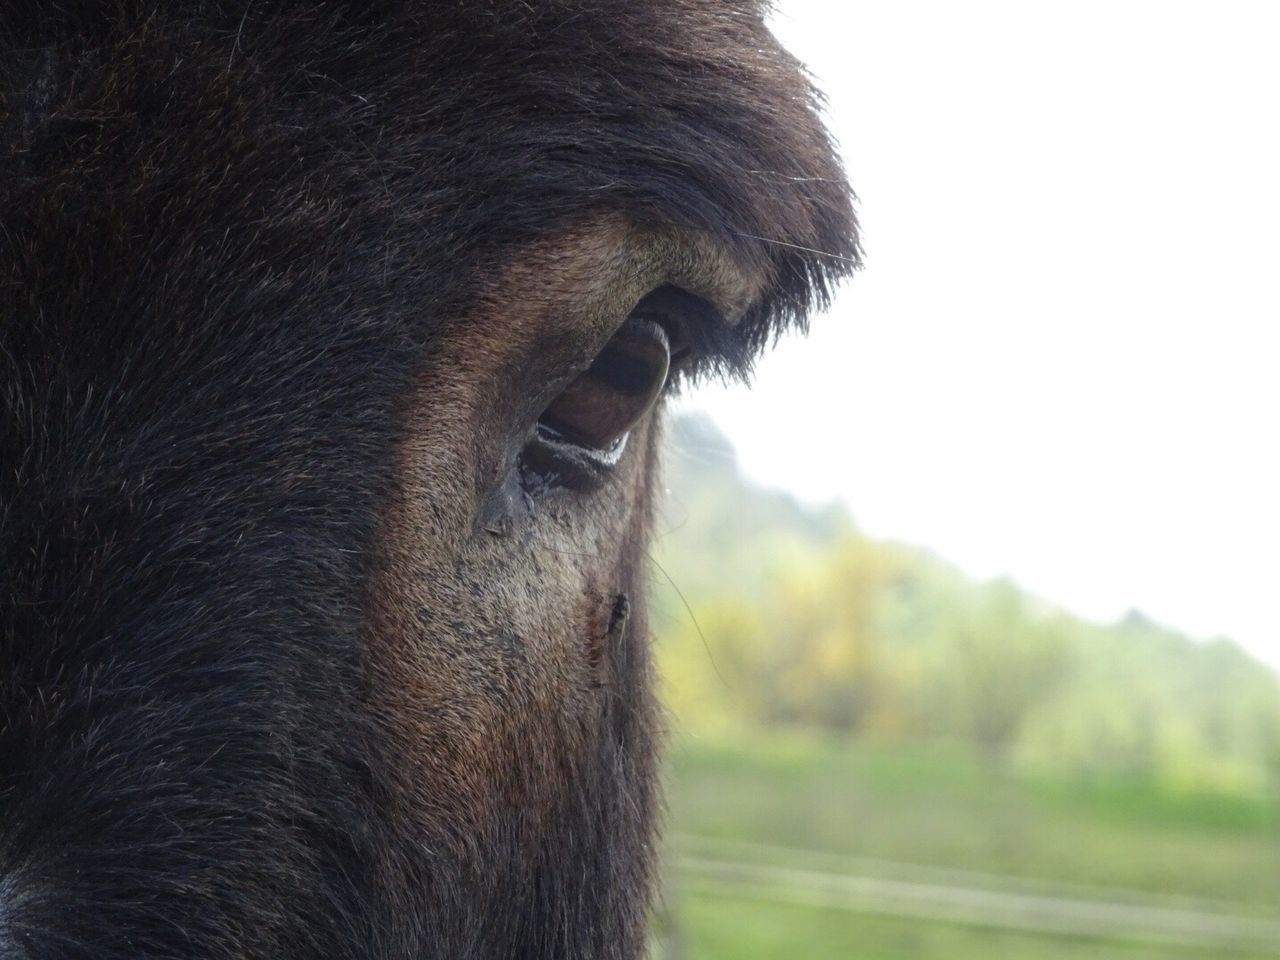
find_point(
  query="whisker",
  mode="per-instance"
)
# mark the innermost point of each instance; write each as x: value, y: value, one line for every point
x: 790, y: 179
x: 694, y: 620
x: 853, y: 261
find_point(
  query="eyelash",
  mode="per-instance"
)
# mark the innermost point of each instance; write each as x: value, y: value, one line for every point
x: 703, y: 344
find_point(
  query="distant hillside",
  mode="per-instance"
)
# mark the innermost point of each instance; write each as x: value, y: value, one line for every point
x: 791, y: 616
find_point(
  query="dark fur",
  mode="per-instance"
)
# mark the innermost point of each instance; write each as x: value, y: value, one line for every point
x: 229, y: 233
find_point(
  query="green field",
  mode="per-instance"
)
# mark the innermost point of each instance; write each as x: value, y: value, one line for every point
x: 765, y: 832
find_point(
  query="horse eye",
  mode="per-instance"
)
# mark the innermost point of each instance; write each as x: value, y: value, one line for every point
x: 601, y: 406
x: 582, y: 433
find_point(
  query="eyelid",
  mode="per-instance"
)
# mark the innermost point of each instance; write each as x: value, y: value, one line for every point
x: 702, y: 341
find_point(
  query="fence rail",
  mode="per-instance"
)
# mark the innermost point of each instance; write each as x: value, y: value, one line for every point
x: 808, y: 878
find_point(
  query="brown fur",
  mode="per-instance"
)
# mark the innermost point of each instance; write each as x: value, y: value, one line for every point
x: 542, y: 595
x: 295, y: 661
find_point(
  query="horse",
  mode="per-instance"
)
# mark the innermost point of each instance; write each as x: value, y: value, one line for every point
x: 334, y: 337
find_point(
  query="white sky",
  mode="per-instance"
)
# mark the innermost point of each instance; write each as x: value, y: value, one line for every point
x: 1061, y: 360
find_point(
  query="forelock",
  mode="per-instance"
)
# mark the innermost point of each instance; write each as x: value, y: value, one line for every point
x: 476, y: 125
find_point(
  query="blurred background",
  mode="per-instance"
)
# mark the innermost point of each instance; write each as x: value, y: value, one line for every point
x: 967, y: 612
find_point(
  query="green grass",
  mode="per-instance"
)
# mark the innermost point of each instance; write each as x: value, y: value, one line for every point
x: 935, y: 806
x: 725, y: 928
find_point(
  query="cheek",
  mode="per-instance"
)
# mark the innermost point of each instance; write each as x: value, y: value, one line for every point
x: 492, y: 657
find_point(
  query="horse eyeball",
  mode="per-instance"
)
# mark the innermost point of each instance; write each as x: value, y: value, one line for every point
x: 598, y: 409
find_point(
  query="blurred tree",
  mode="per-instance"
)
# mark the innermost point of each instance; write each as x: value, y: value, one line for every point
x: 773, y: 613
x: 1007, y: 663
